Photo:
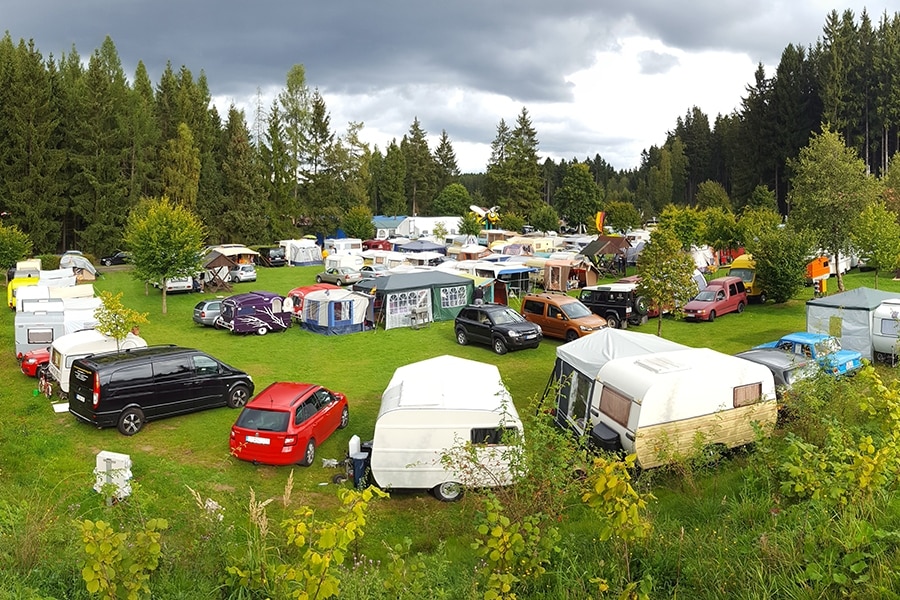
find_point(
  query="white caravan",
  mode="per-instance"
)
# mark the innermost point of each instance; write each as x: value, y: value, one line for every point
x: 430, y: 410
x: 67, y: 348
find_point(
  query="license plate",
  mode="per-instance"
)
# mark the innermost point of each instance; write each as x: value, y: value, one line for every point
x: 530, y: 336
x: 255, y: 439
x: 79, y: 397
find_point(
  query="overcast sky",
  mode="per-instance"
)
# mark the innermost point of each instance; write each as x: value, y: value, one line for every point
x: 605, y: 77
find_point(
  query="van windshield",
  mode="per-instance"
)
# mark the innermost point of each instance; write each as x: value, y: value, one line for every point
x: 746, y: 275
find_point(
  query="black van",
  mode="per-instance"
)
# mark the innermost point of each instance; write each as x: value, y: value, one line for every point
x: 126, y: 389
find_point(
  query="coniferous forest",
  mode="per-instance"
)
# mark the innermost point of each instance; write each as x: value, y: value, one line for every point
x: 81, y: 142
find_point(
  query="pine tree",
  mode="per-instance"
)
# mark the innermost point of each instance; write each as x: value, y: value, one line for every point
x: 243, y: 216
x: 180, y: 166
x: 445, y: 159
x: 420, y: 170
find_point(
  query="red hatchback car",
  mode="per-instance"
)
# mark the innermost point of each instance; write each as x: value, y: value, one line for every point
x: 283, y: 424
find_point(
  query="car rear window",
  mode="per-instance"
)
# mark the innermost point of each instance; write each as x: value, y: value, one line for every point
x: 263, y: 420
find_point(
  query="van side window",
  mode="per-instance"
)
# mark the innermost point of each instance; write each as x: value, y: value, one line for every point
x: 554, y: 312
x: 131, y: 375
x: 491, y: 435
x: 204, y: 365
x: 171, y: 367
x: 745, y: 395
x: 535, y: 308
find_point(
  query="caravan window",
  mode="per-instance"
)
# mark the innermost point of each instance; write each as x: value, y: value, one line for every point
x: 492, y: 436
x: 615, y: 405
x: 40, y: 336
x: 745, y: 395
x: 890, y: 327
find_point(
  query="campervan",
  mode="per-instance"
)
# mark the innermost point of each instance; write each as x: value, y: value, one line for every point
x: 745, y: 267
x: 431, y: 408
x: 254, y: 312
x: 885, y: 330
x: 661, y: 405
x: 67, y: 348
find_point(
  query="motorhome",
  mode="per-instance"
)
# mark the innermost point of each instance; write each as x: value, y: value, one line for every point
x: 71, y: 346
x: 663, y: 405
x: 745, y: 267
x: 429, y: 409
x: 342, y: 246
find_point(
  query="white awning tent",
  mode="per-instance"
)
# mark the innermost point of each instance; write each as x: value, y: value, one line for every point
x: 847, y: 316
x: 303, y: 252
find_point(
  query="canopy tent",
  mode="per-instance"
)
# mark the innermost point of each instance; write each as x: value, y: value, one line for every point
x: 847, y: 316
x: 606, y: 244
x: 403, y: 299
x: 336, y: 312
x: 239, y: 253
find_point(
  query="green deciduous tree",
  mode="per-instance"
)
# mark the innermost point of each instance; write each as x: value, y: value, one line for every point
x: 621, y: 216
x: 453, y: 200
x: 544, y: 218
x: 14, y: 245
x: 685, y: 223
x: 781, y: 255
x: 665, y: 271
x: 165, y: 241
x: 470, y: 224
x: 711, y: 194
x: 875, y: 237
x: 830, y: 190
x: 115, y: 319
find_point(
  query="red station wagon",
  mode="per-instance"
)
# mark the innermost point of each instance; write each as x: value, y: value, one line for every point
x: 285, y: 423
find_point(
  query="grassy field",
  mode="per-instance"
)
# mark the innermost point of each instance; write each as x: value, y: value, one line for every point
x: 46, y: 458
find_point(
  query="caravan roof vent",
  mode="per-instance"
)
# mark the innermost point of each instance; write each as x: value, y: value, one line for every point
x: 659, y: 364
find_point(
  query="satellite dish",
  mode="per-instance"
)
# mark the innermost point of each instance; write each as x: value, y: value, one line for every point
x: 478, y: 210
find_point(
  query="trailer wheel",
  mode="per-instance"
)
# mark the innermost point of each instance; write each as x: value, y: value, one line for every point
x: 449, y: 491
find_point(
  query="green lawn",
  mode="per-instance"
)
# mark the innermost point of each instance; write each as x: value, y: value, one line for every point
x: 46, y: 458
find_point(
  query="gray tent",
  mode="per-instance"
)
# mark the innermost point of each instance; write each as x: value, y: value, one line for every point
x: 847, y: 316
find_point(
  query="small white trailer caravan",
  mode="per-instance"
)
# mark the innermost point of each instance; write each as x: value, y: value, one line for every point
x: 431, y: 408
x: 659, y: 405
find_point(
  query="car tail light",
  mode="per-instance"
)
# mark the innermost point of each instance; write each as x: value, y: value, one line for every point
x: 289, y: 443
x: 202, y: 314
x: 96, y: 394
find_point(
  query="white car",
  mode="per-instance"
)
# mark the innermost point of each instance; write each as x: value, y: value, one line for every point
x: 178, y: 284
x: 242, y: 273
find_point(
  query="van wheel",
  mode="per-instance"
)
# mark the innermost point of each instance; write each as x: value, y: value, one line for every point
x: 499, y: 346
x: 712, y: 316
x: 763, y: 298
x: 740, y: 307
x: 310, y: 455
x: 461, y: 338
x: 612, y: 321
x: 238, y: 396
x: 572, y: 335
x: 131, y: 421
x: 449, y: 491
x: 262, y: 331
x: 345, y: 418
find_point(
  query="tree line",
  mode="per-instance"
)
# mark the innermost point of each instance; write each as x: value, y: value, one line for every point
x: 82, y: 144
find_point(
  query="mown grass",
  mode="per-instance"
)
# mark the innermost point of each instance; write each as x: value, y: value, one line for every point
x: 707, y: 522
